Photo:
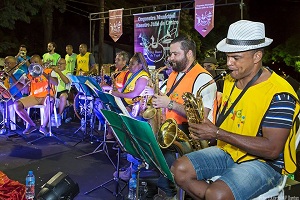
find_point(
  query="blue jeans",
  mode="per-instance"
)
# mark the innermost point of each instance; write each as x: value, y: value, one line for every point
x: 246, y: 180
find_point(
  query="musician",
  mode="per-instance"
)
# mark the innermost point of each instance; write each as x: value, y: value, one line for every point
x: 14, y: 78
x: 22, y: 56
x: 38, y: 96
x: 63, y: 84
x: 70, y: 58
x: 121, y: 72
x: 187, y: 76
x: 51, y: 57
x: 135, y: 83
x: 253, y: 135
x: 85, y: 62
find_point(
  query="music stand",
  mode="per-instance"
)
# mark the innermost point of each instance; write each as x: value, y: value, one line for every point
x: 110, y: 103
x: 140, y: 144
x: 51, y: 104
x: 82, y: 88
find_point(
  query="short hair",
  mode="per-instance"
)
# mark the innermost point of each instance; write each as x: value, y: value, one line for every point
x: 69, y: 45
x: 124, y: 55
x: 23, y: 46
x: 186, y: 44
x: 53, y: 44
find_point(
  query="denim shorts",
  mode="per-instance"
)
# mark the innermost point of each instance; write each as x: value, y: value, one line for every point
x: 246, y: 180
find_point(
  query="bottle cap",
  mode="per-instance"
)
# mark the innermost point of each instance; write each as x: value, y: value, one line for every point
x: 30, y: 172
x: 133, y: 175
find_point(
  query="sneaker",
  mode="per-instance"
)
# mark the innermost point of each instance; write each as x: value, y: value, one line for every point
x: 124, y: 175
x: 44, y: 130
x: 29, y: 129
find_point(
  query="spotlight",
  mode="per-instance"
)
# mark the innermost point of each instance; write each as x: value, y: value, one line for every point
x: 60, y: 186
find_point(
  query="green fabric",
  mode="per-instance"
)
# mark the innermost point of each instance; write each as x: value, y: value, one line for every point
x: 144, y: 144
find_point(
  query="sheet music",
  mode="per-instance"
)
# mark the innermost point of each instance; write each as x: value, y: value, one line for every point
x: 121, y: 106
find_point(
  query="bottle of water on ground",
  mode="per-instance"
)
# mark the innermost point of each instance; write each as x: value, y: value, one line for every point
x: 30, y: 186
x: 132, y: 187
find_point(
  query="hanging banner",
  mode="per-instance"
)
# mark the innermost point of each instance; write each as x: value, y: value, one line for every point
x: 153, y: 33
x: 115, y: 24
x: 204, y: 16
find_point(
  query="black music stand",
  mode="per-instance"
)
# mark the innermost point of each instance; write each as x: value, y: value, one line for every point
x: 80, y: 83
x: 110, y: 104
x: 140, y: 144
x: 51, y: 104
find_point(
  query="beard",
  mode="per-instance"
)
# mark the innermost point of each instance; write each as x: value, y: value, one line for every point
x: 180, y: 65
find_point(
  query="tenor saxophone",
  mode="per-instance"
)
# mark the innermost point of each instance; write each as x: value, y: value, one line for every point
x: 169, y: 133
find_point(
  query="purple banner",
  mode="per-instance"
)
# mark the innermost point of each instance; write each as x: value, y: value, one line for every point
x: 153, y: 33
x: 204, y: 16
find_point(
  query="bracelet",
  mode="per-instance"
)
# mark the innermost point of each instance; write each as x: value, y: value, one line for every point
x: 217, y: 133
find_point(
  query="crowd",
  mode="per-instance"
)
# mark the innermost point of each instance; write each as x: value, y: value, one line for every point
x: 250, y: 113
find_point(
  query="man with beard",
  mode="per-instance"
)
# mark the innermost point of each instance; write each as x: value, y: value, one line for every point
x: 51, y: 58
x: 85, y: 61
x: 187, y: 76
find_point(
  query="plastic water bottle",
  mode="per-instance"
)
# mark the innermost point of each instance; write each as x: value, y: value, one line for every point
x: 132, y: 187
x: 82, y: 123
x: 30, y: 185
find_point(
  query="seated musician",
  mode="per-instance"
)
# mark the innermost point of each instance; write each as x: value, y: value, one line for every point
x: 136, y: 82
x: 38, y: 96
x: 120, y: 74
x: 13, y: 84
x: 63, y: 84
x: 187, y: 76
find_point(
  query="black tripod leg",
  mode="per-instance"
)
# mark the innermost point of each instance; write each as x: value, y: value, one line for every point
x: 118, y: 189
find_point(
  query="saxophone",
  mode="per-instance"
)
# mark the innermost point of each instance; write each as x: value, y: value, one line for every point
x: 169, y: 133
x: 154, y: 115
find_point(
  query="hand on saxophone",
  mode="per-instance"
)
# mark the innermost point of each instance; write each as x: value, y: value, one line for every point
x: 160, y: 101
x: 203, y: 131
x: 148, y: 91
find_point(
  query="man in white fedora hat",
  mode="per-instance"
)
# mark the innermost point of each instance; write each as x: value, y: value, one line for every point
x: 255, y: 129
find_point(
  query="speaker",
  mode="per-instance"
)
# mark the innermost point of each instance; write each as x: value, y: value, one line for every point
x: 60, y: 186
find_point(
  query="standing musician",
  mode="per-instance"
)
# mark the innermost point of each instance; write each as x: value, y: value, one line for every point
x: 85, y: 62
x: 255, y: 127
x: 187, y: 76
x: 134, y: 86
x: 22, y: 56
x: 38, y: 96
x: 51, y: 57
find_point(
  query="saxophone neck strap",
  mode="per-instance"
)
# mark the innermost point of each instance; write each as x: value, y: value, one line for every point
x: 177, y: 82
x: 223, y: 115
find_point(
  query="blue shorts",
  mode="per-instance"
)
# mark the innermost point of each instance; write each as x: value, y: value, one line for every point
x: 246, y: 180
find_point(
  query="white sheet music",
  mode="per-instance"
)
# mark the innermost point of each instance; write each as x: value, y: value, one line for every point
x: 121, y: 106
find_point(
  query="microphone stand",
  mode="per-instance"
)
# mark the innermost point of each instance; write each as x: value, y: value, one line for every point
x: 50, y: 134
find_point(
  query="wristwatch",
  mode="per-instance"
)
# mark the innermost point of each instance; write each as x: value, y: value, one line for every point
x: 170, y: 105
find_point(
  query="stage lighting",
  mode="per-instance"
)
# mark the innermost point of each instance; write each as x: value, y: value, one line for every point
x: 60, y: 186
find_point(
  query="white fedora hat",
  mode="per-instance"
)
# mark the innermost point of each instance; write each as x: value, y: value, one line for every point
x: 244, y: 35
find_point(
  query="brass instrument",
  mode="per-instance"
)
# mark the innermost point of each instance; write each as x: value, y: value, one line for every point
x: 6, y: 71
x: 152, y: 113
x: 167, y: 134
x: 35, y: 70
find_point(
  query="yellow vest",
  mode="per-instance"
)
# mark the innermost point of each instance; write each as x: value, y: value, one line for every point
x: 246, y: 120
x: 130, y: 87
x: 82, y: 63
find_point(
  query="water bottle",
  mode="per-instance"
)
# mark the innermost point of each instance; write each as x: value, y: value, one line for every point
x: 30, y: 185
x: 132, y: 187
x: 82, y: 123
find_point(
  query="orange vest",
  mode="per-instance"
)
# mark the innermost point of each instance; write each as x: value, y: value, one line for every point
x: 186, y: 85
x: 39, y: 85
x: 120, y: 79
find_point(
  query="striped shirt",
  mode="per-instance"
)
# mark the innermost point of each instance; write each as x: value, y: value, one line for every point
x: 279, y: 115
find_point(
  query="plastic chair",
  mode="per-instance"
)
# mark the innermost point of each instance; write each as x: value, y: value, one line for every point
x: 42, y: 112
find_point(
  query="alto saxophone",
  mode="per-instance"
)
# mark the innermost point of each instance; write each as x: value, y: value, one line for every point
x: 169, y: 133
x: 154, y: 114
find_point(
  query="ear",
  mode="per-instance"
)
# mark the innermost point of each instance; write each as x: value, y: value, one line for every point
x: 257, y: 56
x: 189, y: 54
